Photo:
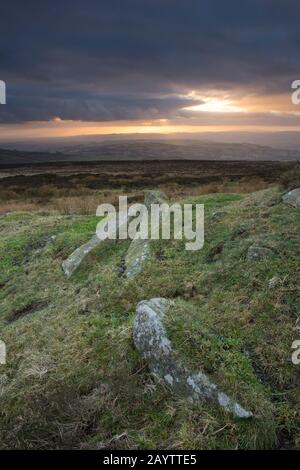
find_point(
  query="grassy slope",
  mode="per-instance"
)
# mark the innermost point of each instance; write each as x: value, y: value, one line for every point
x: 73, y: 377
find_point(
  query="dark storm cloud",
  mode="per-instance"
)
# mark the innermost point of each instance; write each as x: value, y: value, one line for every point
x: 29, y: 106
x: 130, y: 59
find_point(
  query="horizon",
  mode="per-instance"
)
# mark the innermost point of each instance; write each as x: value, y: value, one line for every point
x: 285, y: 140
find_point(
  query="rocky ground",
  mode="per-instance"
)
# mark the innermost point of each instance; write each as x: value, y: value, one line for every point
x: 74, y: 377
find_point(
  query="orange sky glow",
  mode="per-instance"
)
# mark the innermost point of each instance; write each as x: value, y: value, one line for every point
x: 219, y: 112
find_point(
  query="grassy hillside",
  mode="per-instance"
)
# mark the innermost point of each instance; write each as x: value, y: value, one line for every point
x: 73, y: 378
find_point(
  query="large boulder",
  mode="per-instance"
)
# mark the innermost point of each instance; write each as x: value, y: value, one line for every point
x: 292, y: 198
x: 256, y: 253
x: 151, y: 340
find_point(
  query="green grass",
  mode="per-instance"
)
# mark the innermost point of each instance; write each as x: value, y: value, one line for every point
x: 73, y: 378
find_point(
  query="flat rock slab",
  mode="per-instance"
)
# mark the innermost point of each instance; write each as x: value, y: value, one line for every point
x: 151, y: 340
x: 292, y: 198
x: 138, y: 252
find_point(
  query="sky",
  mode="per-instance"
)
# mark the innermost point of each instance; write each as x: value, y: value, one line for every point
x: 122, y: 66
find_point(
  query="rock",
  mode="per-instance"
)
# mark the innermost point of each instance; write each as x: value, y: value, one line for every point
x: 274, y: 282
x: 152, y: 342
x: 154, y: 197
x: 292, y: 198
x: 258, y: 252
x: 2, y: 352
x: 138, y: 252
x: 139, y: 249
x: 76, y: 258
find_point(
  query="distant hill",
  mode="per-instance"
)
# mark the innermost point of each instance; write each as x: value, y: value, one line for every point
x: 139, y: 150
x: 278, y: 139
x: 18, y: 157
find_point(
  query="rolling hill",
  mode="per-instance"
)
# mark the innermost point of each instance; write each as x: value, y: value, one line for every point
x: 139, y: 150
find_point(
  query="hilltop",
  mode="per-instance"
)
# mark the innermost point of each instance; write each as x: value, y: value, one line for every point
x: 73, y: 377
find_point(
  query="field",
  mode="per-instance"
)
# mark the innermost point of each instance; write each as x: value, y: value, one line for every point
x: 79, y: 187
x: 73, y: 378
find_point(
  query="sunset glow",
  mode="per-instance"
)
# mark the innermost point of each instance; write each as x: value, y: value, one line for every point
x: 156, y: 81
x: 215, y: 105
x: 215, y: 111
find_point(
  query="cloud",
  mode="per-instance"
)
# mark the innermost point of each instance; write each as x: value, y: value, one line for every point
x: 113, y: 60
x: 28, y: 104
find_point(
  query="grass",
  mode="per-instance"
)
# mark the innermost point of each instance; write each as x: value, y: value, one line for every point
x: 73, y: 378
x: 78, y: 189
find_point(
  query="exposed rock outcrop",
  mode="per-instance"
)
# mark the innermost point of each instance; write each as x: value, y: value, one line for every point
x: 139, y: 249
x: 150, y: 339
x: 292, y: 198
x: 138, y: 252
x: 75, y: 259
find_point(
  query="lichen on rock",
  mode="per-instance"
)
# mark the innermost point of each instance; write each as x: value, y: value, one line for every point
x: 138, y: 252
x: 76, y: 258
x: 292, y: 198
x: 150, y: 339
